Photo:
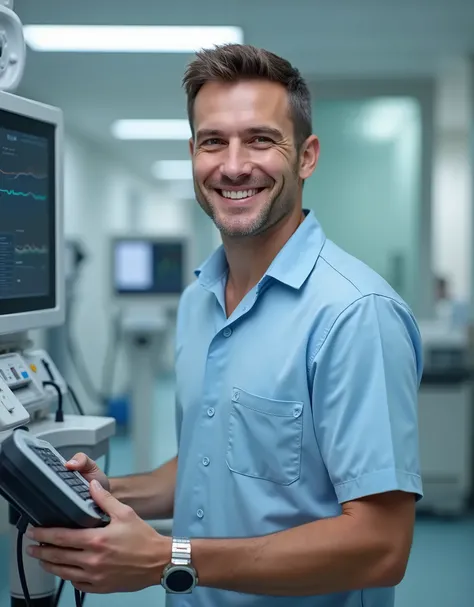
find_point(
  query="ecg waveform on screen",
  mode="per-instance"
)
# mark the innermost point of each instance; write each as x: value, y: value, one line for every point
x: 24, y: 184
x: 31, y: 249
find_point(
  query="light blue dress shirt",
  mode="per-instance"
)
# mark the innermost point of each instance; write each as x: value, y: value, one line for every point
x: 304, y: 398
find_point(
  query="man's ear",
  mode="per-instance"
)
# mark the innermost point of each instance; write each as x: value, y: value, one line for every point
x: 309, y: 157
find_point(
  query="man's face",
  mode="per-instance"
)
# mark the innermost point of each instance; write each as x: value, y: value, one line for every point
x: 246, y: 170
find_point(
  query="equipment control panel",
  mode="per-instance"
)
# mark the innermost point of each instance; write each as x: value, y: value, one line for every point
x: 16, y: 374
x: 12, y: 413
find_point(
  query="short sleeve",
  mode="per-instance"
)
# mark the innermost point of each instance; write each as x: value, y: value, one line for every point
x: 180, y: 318
x: 366, y: 377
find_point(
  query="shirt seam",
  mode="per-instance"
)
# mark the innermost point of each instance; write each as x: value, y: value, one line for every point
x: 358, y: 478
x: 352, y: 303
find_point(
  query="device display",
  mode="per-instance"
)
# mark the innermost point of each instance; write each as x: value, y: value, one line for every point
x: 34, y: 479
x: 27, y: 209
x: 146, y: 266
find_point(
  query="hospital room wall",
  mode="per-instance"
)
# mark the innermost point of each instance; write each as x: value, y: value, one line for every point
x: 366, y: 189
x: 400, y: 199
x: 453, y: 175
x: 102, y: 198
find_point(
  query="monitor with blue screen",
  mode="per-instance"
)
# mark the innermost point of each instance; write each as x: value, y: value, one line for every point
x: 148, y: 266
x: 31, y: 276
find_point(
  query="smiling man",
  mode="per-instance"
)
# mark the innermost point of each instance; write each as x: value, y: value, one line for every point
x: 297, y: 373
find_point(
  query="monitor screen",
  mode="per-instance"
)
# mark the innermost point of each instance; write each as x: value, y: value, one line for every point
x: 27, y: 214
x: 148, y: 267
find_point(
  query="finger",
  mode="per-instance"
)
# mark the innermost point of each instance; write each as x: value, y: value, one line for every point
x: 62, y: 538
x: 80, y: 461
x: 69, y: 574
x: 107, y: 501
x: 58, y: 556
x: 86, y: 587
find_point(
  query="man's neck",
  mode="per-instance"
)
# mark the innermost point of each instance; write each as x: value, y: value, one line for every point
x: 249, y: 258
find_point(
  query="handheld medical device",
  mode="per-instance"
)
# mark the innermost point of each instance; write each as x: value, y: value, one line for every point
x: 36, y: 435
x: 35, y: 480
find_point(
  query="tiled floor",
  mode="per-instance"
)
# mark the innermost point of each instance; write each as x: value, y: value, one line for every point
x: 440, y: 572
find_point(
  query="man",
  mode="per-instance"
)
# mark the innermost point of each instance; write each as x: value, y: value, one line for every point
x: 297, y: 376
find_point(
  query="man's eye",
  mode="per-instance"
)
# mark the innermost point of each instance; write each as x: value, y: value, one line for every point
x: 212, y: 142
x: 261, y: 139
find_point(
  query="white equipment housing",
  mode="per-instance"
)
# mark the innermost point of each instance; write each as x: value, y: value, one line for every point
x: 445, y: 420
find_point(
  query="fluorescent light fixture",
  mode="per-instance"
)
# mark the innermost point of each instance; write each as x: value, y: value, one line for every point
x: 151, y: 129
x: 173, y: 170
x: 128, y: 39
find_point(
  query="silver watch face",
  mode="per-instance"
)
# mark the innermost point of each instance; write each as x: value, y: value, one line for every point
x: 179, y: 579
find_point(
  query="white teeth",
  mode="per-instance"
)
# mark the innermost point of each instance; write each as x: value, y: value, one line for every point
x: 238, y: 195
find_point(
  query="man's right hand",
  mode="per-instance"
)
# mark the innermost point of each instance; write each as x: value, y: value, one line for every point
x: 89, y: 469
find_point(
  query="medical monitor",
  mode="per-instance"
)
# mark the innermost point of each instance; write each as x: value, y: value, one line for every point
x: 149, y: 267
x: 31, y: 229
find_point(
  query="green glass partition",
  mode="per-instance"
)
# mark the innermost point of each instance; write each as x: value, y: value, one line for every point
x: 366, y: 188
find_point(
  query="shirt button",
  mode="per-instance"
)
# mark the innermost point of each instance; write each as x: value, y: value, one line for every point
x: 236, y: 395
x: 206, y: 461
x: 227, y: 332
x: 211, y: 411
x: 200, y: 513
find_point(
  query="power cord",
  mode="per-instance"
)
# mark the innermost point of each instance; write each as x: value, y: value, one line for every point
x: 78, y: 406
x: 22, y: 526
x: 59, y: 411
x: 53, y: 384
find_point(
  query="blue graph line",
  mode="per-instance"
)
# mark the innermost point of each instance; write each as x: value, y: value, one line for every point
x: 24, y: 194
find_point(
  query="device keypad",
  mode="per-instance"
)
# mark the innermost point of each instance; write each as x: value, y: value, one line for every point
x: 70, y: 478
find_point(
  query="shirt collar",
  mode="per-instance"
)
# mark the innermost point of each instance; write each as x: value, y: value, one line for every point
x: 291, y: 266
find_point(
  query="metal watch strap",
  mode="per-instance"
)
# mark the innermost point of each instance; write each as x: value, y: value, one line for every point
x: 181, y: 551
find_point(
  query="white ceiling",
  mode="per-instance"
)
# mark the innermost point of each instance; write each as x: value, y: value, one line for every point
x: 326, y: 39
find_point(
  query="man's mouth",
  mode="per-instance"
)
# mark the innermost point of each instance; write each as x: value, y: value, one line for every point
x: 239, y: 194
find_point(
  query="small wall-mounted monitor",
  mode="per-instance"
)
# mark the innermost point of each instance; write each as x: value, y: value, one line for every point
x: 31, y: 229
x: 149, y: 267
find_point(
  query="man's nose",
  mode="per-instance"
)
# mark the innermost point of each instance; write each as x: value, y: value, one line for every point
x: 235, y: 165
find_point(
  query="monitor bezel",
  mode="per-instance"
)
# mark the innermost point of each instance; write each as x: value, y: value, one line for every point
x: 18, y: 322
x: 149, y: 296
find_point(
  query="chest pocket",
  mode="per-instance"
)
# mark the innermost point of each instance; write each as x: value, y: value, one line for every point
x: 265, y: 437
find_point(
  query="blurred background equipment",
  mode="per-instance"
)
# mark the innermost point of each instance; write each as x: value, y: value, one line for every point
x: 148, y: 276
x: 34, y: 394
x: 446, y: 420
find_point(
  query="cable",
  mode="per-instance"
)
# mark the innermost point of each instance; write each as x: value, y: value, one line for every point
x: 47, y: 368
x: 51, y: 382
x: 76, y: 400
x: 22, y: 526
x: 78, y: 596
x: 78, y: 361
x: 58, y: 593
x: 59, y: 411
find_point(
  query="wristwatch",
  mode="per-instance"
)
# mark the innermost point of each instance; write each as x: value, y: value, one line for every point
x: 179, y: 576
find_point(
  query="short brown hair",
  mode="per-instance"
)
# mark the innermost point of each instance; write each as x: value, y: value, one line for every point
x: 234, y: 62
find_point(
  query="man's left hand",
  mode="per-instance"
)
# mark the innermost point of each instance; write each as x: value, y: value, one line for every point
x: 126, y: 556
